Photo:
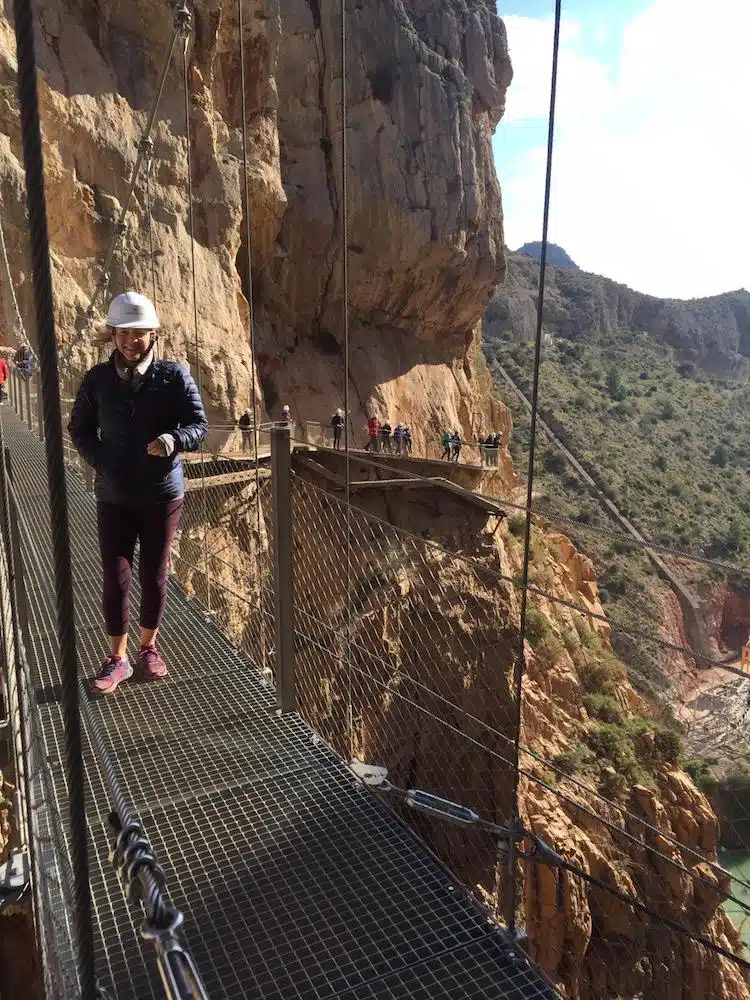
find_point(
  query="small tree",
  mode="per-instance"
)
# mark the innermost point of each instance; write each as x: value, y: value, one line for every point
x: 615, y: 388
x: 554, y: 462
x: 667, y: 409
x: 720, y: 456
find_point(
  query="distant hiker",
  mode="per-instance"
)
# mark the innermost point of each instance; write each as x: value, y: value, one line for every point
x: 455, y: 445
x: 407, y: 439
x: 24, y: 360
x: 132, y: 418
x: 398, y: 437
x: 245, y: 423
x: 4, y: 376
x: 286, y: 416
x: 447, y: 446
x: 496, y: 442
x: 385, y: 436
x: 337, y: 423
x: 373, y: 429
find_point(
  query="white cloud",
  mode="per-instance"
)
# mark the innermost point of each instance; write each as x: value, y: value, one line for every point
x: 651, y: 158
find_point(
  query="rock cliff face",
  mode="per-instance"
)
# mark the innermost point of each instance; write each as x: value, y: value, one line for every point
x: 426, y: 88
x: 714, y: 332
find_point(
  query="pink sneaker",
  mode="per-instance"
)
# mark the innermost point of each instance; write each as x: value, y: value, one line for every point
x: 150, y: 663
x: 112, y: 672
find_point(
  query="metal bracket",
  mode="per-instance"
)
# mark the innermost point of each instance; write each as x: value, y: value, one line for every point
x: 369, y: 774
x: 15, y: 878
x: 183, y: 19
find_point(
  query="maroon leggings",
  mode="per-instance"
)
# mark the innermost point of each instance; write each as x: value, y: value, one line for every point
x: 119, y: 527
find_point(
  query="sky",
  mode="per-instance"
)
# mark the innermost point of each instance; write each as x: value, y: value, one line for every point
x: 651, y: 163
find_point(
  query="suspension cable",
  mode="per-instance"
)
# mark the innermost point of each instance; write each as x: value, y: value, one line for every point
x: 148, y: 152
x: 345, y: 325
x: 540, y: 853
x: 251, y: 326
x: 11, y: 286
x: 186, y: 27
x: 144, y: 880
x: 142, y: 150
x: 31, y: 135
x: 521, y: 656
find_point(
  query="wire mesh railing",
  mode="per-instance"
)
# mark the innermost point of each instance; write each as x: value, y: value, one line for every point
x: 411, y: 667
x: 38, y: 813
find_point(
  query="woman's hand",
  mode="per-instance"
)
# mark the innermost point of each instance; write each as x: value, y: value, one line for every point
x: 157, y: 448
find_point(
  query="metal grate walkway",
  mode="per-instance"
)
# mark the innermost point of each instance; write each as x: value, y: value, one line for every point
x: 295, y: 883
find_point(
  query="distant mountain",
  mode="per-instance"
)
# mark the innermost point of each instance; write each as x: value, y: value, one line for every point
x: 555, y: 255
x: 712, y: 332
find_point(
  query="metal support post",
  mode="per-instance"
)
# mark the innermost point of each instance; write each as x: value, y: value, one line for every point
x: 29, y: 414
x: 281, y: 468
x: 40, y: 422
x: 18, y: 597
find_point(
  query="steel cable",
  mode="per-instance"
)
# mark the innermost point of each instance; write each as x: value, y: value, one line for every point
x: 139, y: 159
x: 345, y: 325
x: 251, y: 323
x: 48, y: 359
x: 186, y: 27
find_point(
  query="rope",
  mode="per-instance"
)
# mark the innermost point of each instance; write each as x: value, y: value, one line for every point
x: 149, y: 154
x: 48, y: 359
x: 251, y: 330
x: 179, y: 20
x: 133, y: 857
x: 11, y: 286
x: 345, y: 324
x: 186, y: 28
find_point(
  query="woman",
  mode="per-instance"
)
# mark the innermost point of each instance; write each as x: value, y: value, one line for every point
x: 337, y: 423
x: 132, y: 417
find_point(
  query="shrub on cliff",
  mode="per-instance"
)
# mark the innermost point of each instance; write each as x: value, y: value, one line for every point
x: 603, y: 707
x: 537, y: 626
x: 668, y: 745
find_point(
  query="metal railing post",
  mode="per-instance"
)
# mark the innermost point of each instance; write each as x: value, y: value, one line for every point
x: 40, y: 422
x: 281, y: 469
x: 18, y: 587
x: 27, y: 392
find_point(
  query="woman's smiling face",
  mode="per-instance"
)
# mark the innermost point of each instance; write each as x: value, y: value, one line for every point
x: 131, y: 342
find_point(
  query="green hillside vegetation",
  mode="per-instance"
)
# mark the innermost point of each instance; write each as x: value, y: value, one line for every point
x: 672, y: 449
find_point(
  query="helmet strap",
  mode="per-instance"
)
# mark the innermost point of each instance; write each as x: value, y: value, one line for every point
x: 134, y: 364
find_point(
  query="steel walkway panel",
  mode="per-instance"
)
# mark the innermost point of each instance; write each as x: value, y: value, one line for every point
x: 296, y: 884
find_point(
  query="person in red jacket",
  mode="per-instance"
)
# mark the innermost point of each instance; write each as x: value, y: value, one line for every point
x: 4, y: 376
x: 373, y: 430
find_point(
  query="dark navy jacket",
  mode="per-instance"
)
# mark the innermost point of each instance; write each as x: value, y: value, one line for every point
x: 112, y: 423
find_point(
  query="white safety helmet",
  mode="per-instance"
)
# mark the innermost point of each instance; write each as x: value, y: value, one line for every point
x: 285, y: 409
x: 132, y: 310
